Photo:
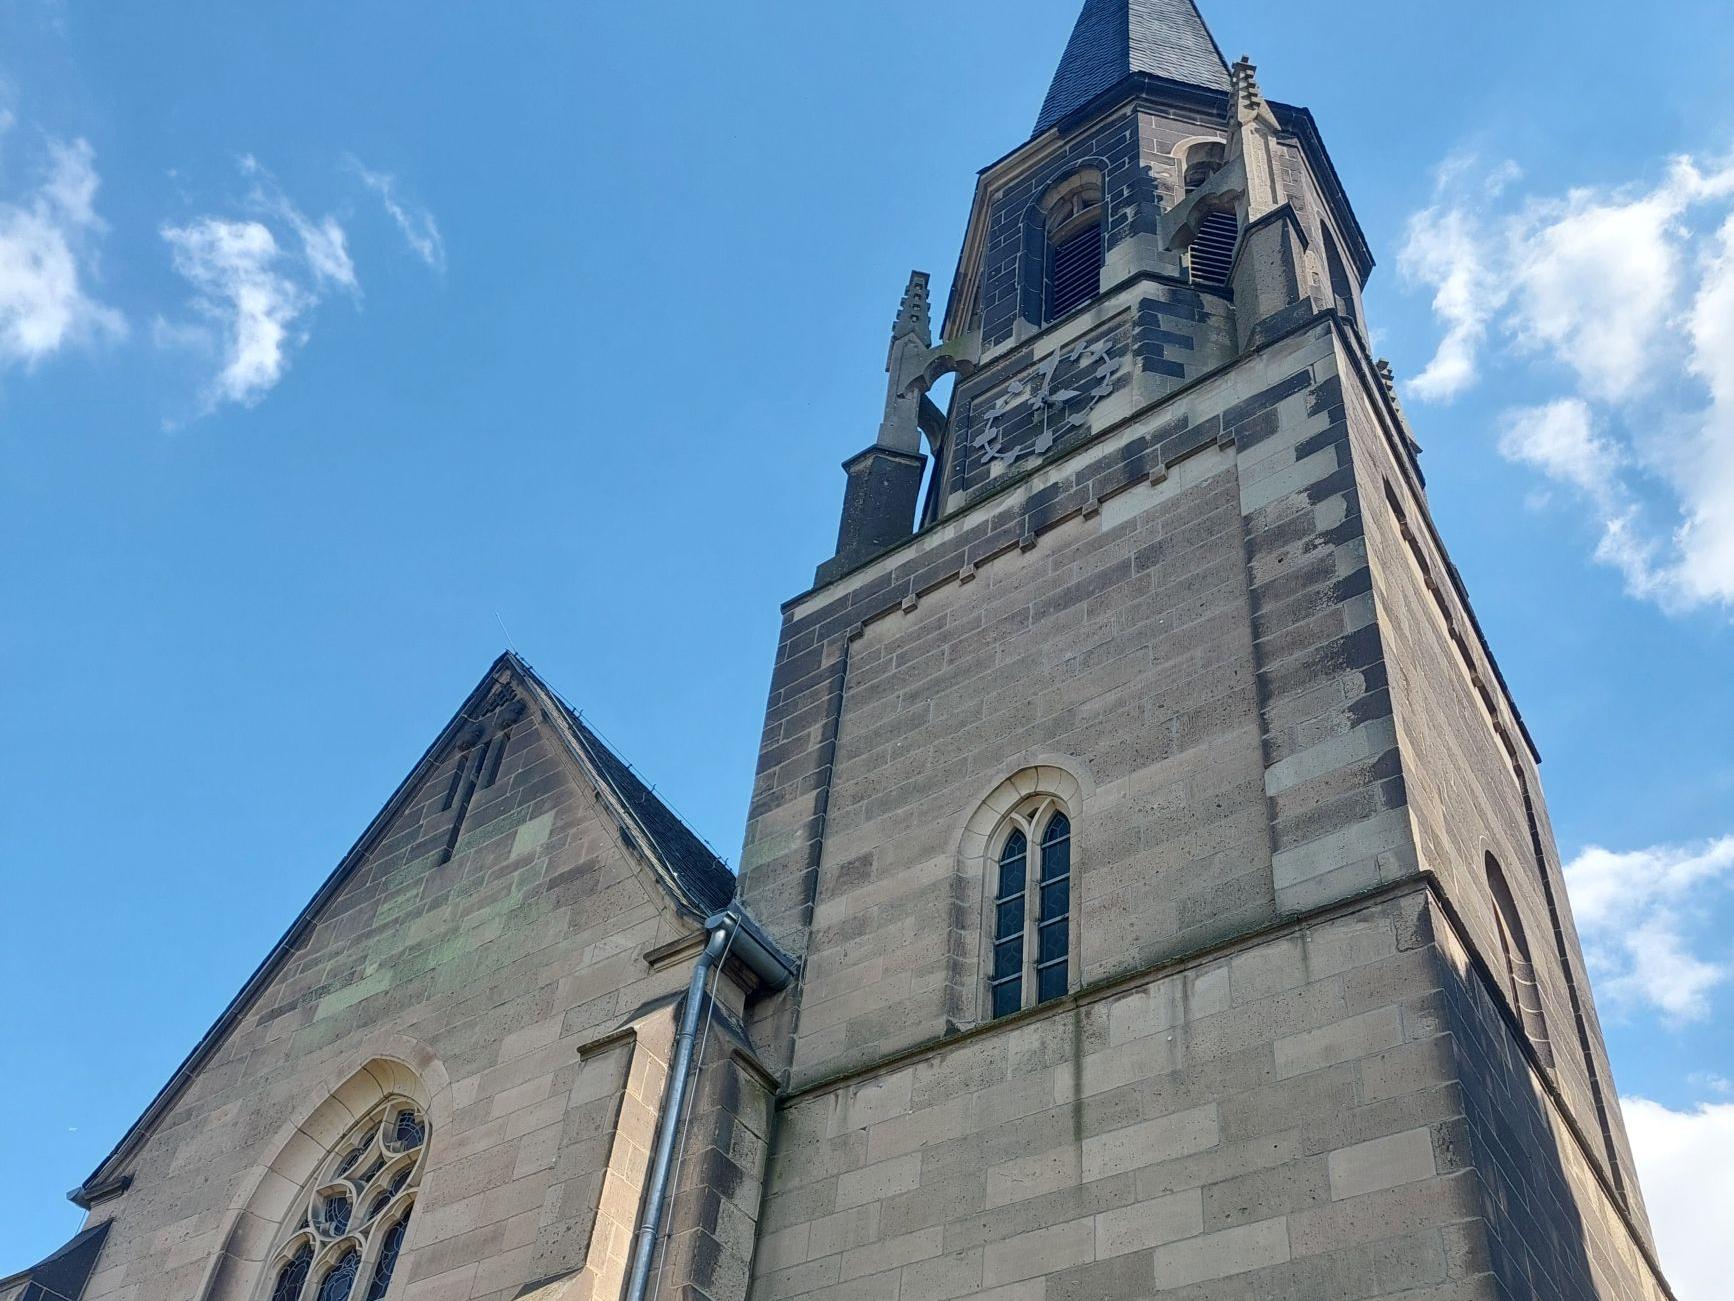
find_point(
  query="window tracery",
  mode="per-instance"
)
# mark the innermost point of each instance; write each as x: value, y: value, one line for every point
x: 355, y: 1212
x: 1032, y: 912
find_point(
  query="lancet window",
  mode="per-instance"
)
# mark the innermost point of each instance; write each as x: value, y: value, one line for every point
x: 1031, y: 916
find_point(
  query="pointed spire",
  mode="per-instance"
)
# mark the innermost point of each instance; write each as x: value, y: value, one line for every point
x: 1115, y: 38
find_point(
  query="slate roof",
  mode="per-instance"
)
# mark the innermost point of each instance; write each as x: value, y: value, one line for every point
x: 701, y: 874
x: 1115, y: 38
x: 63, y: 1275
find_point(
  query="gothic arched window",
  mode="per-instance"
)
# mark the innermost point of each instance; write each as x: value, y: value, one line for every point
x: 1210, y: 255
x: 1032, y: 909
x: 1521, y: 984
x: 1201, y: 162
x: 1072, y: 214
x: 354, y: 1214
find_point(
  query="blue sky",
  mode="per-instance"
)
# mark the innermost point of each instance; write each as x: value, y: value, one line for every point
x: 335, y: 339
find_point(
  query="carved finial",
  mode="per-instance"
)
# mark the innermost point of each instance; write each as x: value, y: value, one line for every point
x: 1248, y: 98
x: 913, y: 315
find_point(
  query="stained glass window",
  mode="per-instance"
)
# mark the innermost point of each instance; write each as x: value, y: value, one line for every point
x: 1032, y: 910
x: 334, y: 1215
x: 342, y: 1221
x: 292, y: 1276
x: 340, y: 1277
x: 1053, y: 933
x: 409, y: 1130
x: 1007, y: 980
x: 389, y: 1246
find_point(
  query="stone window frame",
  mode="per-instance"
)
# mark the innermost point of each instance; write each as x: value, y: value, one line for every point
x: 1068, y: 208
x: 1041, y: 789
x: 377, y: 1174
x: 1190, y: 156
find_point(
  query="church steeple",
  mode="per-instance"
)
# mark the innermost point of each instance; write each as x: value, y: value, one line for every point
x: 1116, y: 38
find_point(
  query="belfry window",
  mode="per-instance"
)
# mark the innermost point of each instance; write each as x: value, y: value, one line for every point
x: 351, y: 1221
x: 1073, y: 222
x: 1032, y: 909
x: 1202, y: 162
x: 1210, y: 256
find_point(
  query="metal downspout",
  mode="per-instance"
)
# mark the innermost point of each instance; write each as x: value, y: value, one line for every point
x: 732, y: 932
x: 656, y: 1190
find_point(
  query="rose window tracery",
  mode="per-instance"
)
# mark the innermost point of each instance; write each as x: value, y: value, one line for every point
x: 351, y: 1221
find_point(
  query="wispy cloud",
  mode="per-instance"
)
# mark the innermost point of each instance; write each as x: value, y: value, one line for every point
x: 253, y: 292
x: 1628, y: 293
x: 1641, y: 916
x: 1686, y: 1164
x: 417, y: 225
x: 47, y: 251
x: 234, y: 268
x: 1446, y: 249
x: 323, y: 243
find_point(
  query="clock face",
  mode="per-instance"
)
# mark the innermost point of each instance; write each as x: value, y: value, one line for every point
x: 1034, y: 412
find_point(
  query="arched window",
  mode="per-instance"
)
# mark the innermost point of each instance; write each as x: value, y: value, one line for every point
x: 354, y: 1214
x: 1032, y: 909
x: 1210, y: 255
x: 1072, y: 215
x: 1201, y: 162
x: 1519, y: 969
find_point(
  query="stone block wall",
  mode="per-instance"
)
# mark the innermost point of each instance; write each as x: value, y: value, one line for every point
x: 1195, y: 614
x: 513, y: 980
x: 1095, y: 614
x: 1472, y: 786
x: 1279, y: 1118
x: 1557, y: 1228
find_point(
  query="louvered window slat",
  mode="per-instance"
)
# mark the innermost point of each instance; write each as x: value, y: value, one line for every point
x: 1075, y: 271
x: 1212, y: 254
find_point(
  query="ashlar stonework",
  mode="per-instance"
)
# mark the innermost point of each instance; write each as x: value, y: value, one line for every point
x: 1140, y: 689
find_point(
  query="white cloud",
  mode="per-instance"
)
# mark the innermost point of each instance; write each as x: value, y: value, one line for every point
x: 255, y: 292
x: 233, y: 267
x: 46, y: 241
x: 417, y: 225
x: 1630, y: 292
x: 324, y: 244
x: 1444, y: 250
x: 1686, y: 1165
x: 1636, y: 912
x: 1560, y: 440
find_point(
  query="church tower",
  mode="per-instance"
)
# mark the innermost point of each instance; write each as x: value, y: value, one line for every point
x: 1165, y: 856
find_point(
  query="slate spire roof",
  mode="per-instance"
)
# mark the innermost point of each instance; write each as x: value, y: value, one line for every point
x: 1115, y: 38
